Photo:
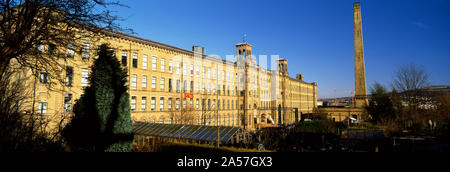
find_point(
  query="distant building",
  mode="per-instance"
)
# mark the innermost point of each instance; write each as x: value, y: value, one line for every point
x: 319, y: 103
x: 427, y: 97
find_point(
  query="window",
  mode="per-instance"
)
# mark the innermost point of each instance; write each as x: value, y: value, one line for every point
x: 184, y: 86
x: 133, y: 104
x: 144, y: 81
x: 154, y: 63
x: 44, y: 78
x: 178, y: 85
x: 153, y: 104
x: 203, y: 104
x: 218, y: 90
x: 41, y: 48
x: 198, y: 71
x: 209, y: 104
x: 84, y: 77
x: 178, y: 68
x: 197, y: 87
x: 161, y: 104
x: 42, y: 108
x: 223, y: 75
x: 192, y: 69
x: 203, y: 88
x: 209, y: 88
x: 191, y: 103
x: 124, y: 58
x: 225, y: 120
x: 134, y: 82
x: 68, y: 103
x: 192, y: 87
x: 51, y: 49
x: 153, y: 82
x: 170, y: 66
x: 70, y: 50
x: 218, y: 105
x: 184, y: 69
x: 144, y: 61
x: 232, y: 120
x: 170, y: 85
x: 69, y: 76
x: 177, y: 104
x: 144, y: 104
x: 135, y: 60
x: 98, y: 51
x: 85, y: 53
x: 214, y: 73
x: 169, y: 104
x: 196, y: 104
x: 163, y: 65
x: 203, y: 72
x: 209, y: 73
x: 184, y: 103
x: 163, y: 80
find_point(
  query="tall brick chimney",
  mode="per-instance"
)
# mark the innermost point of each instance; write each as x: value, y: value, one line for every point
x: 360, y: 73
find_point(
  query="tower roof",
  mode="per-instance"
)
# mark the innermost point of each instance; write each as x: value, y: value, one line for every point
x: 244, y: 44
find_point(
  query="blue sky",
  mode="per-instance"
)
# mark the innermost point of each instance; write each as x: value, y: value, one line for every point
x: 315, y: 36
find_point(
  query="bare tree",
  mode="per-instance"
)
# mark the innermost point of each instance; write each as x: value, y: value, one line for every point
x: 188, y: 114
x: 19, y: 130
x: 409, y: 80
x: 185, y: 116
x: 35, y: 35
x: 27, y: 27
x: 207, y: 111
x: 408, y: 85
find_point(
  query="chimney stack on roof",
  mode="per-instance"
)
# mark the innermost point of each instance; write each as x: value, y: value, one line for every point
x: 300, y: 77
x: 198, y: 50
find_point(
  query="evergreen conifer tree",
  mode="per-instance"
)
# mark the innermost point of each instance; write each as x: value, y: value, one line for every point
x: 102, y: 121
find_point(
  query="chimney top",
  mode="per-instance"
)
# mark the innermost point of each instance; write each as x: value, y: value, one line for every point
x: 198, y: 50
x: 300, y: 77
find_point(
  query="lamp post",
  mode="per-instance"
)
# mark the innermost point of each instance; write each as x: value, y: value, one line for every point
x: 217, y: 107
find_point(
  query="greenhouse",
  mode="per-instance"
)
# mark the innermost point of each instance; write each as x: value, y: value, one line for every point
x: 148, y: 132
